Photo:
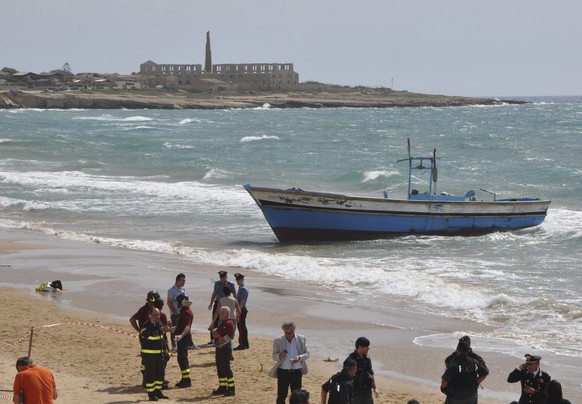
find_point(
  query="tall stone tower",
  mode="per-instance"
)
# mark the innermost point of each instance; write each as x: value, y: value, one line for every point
x: 208, y: 60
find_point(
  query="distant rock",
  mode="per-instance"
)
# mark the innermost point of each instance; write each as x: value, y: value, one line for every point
x: 136, y: 99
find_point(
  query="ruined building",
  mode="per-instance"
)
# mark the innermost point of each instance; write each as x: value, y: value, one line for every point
x: 223, y: 77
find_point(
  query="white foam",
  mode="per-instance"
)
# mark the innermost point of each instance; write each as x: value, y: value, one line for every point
x: 255, y: 138
x: 169, y: 145
x: 563, y: 223
x: 377, y: 174
x: 111, y: 118
x: 182, y: 196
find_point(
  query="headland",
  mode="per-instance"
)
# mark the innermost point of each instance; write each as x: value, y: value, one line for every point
x: 328, y: 97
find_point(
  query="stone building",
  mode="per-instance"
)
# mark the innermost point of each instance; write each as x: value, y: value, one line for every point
x: 245, y: 76
x: 221, y: 77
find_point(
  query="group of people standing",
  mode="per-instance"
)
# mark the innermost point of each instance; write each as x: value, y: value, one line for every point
x: 465, y: 371
x: 353, y: 385
x: 228, y: 311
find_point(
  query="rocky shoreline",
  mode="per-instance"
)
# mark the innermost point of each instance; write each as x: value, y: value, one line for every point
x: 152, y: 99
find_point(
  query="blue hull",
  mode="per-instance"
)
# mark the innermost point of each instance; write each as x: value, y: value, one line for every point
x: 292, y: 224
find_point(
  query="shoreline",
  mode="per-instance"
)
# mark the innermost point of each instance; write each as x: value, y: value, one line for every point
x: 152, y: 99
x: 98, y: 283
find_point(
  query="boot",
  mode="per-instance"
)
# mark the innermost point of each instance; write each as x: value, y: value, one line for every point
x: 184, y: 383
x: 218, y: 391
x: 161, y: 395
x: 229, y: 392
x: 152, y: 397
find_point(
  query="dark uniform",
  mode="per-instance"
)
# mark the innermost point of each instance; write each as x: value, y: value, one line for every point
x: 142, y: 316
x: 363, y: 381
x: 340, y: 388
x: 151, y: 338
x: 461, y: 376
x: 470, y: 354
x: 537, y: 380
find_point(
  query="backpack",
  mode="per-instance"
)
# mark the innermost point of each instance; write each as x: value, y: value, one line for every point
x: 337, y: 383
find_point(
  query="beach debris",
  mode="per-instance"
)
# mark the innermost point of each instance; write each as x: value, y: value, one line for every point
x: 330, y: 359
x: 54, y: 286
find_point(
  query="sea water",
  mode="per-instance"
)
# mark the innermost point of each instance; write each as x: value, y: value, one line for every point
x: 171, y: 182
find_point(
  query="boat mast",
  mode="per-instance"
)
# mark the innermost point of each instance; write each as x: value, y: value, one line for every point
x: 433, y: 174
x: 409, y: 167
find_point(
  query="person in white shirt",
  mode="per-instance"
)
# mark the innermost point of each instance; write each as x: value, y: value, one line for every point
x: 176, y: 290
x: 290, y: 352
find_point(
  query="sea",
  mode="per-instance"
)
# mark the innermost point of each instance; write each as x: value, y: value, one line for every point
x: 171, y: 182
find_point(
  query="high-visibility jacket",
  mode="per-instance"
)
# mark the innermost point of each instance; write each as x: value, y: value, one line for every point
x: 151, y: 337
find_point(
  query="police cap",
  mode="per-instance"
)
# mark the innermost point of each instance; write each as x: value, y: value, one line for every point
x: 532, y: 358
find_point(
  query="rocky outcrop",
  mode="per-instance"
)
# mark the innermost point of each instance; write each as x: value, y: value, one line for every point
x: 166, y: 100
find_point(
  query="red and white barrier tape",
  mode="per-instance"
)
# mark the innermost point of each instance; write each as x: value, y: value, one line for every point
x: 27, y: 335
x: 91, y: 325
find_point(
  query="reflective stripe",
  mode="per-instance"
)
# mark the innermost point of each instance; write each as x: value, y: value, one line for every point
x: 155, y: 338
x: 151, y: 351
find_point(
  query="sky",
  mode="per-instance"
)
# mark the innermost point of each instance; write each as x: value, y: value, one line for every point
x: 453, y: 47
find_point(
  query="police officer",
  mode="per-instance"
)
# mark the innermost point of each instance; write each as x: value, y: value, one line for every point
x: 463, y: 377
x: 364, y: 380
x: 534, y: 381
x: 151, y: 337
x: 242, y: 296
x: 471, y: 353
x: 340, y: 386
x: 218, y: 294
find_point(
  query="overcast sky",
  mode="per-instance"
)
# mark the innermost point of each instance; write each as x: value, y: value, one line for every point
x: 452, y: 47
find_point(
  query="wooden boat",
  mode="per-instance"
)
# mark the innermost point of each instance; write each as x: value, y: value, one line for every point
x: 297, y: 215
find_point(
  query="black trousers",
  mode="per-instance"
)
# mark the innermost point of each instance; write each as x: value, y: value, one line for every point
x: 155, y: 366
x: 183, y: 362
x: 243, y: 333
x: 287, y: 379
x: 222, y: 357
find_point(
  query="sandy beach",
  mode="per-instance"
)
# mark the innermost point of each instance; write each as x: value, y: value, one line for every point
x: 83, y: 334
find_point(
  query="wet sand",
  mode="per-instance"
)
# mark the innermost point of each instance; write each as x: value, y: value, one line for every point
x: 104, y: 286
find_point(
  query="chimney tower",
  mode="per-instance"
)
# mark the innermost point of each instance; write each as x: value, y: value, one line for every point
x: 208, y: 61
